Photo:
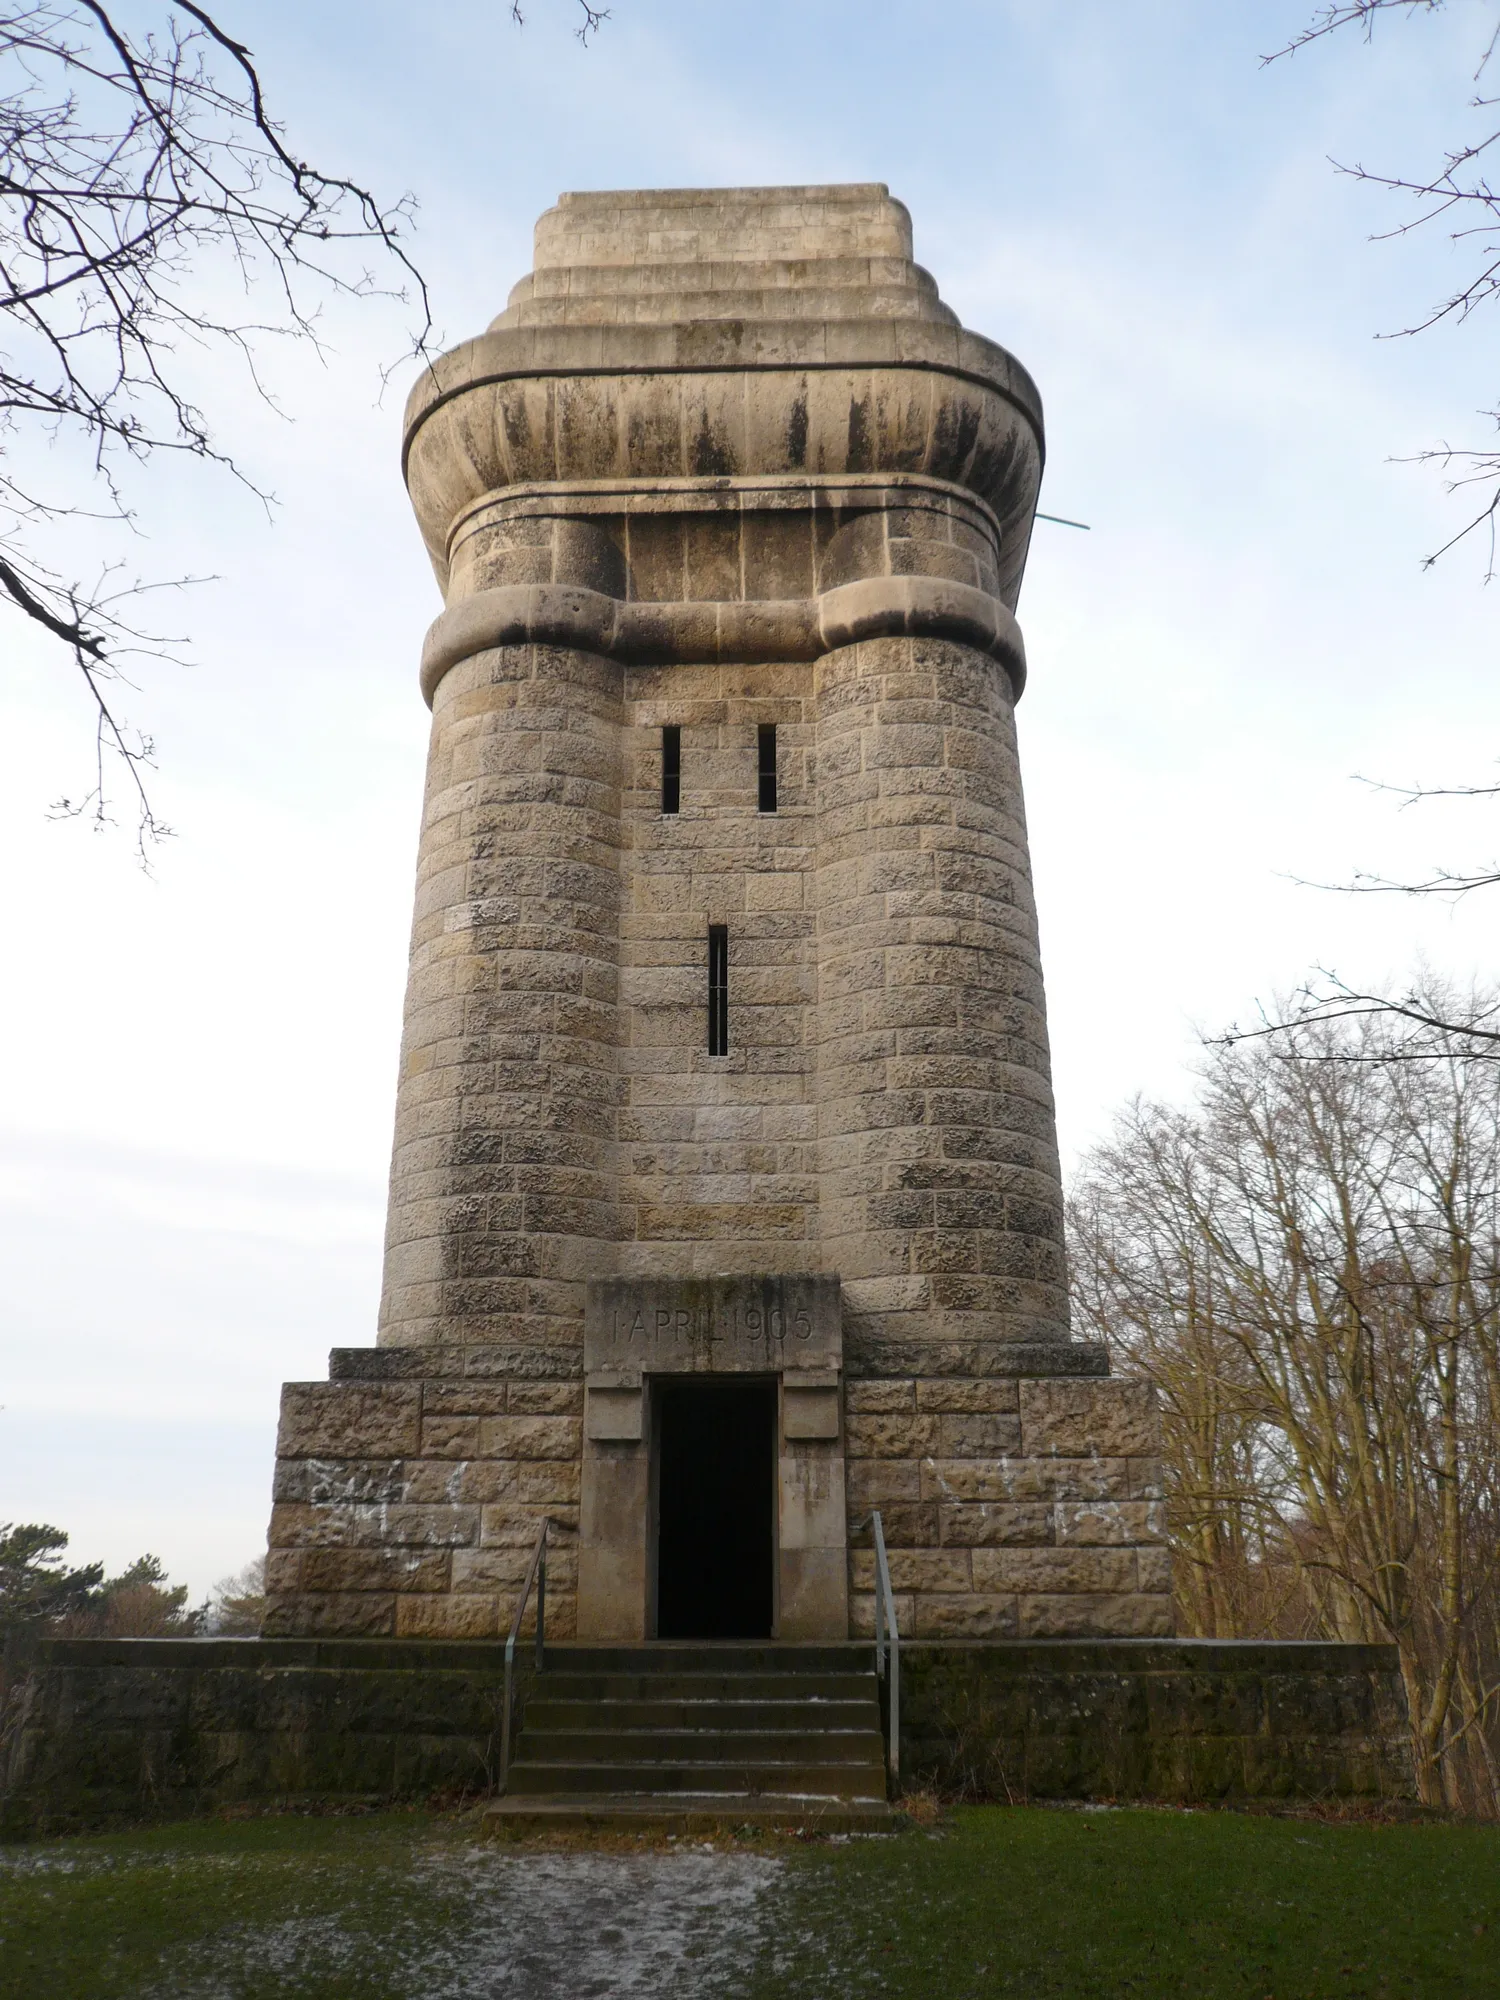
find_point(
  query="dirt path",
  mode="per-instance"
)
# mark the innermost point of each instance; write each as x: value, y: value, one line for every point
x: 525, y: 1926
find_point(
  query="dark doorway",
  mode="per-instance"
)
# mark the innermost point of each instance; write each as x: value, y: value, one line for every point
x: 715, y: 1496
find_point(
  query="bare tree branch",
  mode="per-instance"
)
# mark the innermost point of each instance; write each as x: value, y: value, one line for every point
x: 129, y: 161
x: 593, y: 19
x: 1473, y: 1030
x: 1352, y: 13
x: 1460, y: 194
x: 1442, y: 881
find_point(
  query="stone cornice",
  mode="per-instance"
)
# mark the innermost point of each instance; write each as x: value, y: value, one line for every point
x: 718, y: 347
x: 657, y: 634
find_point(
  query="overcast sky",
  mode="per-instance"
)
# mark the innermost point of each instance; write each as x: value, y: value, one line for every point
x: 200, y: 1066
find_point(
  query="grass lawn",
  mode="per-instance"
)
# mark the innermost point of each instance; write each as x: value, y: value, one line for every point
x: 1153, y: 1903
x: 408, y: 1906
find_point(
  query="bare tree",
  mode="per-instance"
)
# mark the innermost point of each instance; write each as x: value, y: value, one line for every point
x: 143, y: 179
x: 1457, y: 195
x: 1308, y: 1266
x: 237, y: 1603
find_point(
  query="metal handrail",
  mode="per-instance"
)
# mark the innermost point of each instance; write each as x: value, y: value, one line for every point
x: 887, y: 1636
x: 537, y: 1573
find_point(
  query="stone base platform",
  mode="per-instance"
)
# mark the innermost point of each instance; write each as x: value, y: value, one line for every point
x: 99, y: 1729
x: 1019, y: 1487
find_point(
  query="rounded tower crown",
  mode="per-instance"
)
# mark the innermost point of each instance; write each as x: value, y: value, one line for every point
x: 739, y: 333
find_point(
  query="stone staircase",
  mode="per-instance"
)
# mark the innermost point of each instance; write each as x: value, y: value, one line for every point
x: 693, y: 1736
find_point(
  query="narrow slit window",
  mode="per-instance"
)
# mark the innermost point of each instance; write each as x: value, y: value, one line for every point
x: 768, y: 767
x: 671, y: 768
x: 718, y: 989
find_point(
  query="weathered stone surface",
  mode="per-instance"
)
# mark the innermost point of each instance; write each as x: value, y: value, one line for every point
x: 1089, y: 1420
x: 553, y: 1399
x: 450, y: 1437
x: 323, y: 1482
x: 714, y: 1325
x: 892, y: 1436
x: 334, y: 1420
x: 1023, y: 1478
x: 1033, y: 1569
x: 139, y: 1728
x: 968, y: 1398
x: 517, y: 1527
x: 724, y: 465
x: 352, y: 1569
x: 997, y: 1524
x: 353, y: 1614
x: 1114, y: 1523
x: 471, y: 1363
x: 530, y: 1437
x: 455, y: 1615
x: 1153, y: 1566
x: 880, y: 1398
x: 977, y: 1436
x: 304, y: 1527
x: 919, y: 1570
x: 882, y: 1482
x: 1142, y: 1718
x: 1110, y: 1612
x: 975, y: 1616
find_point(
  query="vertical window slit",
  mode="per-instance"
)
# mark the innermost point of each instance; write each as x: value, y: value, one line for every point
x: 718, y: 989
x: 768, y: 767
x: 671, y: 768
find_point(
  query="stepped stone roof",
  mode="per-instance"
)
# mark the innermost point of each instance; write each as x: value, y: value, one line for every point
x: 668, y: 255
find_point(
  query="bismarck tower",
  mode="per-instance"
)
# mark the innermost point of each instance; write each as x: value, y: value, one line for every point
x: 725, y: 1201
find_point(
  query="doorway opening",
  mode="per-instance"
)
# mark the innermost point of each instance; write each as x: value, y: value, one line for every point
x: 715, y: 1509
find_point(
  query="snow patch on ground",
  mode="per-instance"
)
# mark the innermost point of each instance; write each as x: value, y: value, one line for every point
x: 487, y: 1925
x: 603, y: 1925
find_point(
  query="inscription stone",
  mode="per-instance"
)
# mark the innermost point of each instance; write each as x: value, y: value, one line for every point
x: 646, y: 1326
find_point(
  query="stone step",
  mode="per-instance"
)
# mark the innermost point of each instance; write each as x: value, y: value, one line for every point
x: 701, y: 1689
x: 608, y: 1744
x: 829, y: 1688
x: 784, y: 302
x: 720, y: 1727
x: 547, y: 1712
x: 648, y: 1812
x: 696, y: 1656
x: 820, y: 273
x: 741, y: 1779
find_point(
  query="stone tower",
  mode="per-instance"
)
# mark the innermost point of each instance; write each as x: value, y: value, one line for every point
x: 725, y: 1201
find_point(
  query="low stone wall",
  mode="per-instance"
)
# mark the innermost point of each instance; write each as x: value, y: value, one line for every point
x: 99, y: 1729
x: 1178, y: 1719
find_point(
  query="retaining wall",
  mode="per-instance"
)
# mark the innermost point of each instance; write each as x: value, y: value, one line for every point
x: 98, y: 1729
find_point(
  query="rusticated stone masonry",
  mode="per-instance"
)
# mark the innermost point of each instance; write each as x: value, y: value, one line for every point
x: 725, y: 465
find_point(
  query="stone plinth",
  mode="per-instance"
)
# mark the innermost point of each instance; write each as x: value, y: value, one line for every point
x: 726, y: 481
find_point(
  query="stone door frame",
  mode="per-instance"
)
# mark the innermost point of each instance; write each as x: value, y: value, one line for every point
x: 641, y: 1330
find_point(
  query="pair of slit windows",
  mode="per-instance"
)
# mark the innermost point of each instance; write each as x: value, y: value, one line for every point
x: 671, y: 767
